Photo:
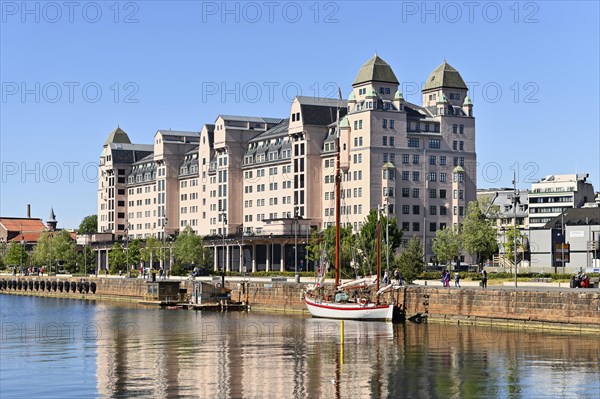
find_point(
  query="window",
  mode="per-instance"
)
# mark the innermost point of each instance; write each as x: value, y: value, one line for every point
x: 442, y: 176
x: 360, y: 124
x: 461, y: 194
x: 416, y: 176
x: 355, y: 125
x: 432, y: 160
x: 461, y: 210
x: 432, y: 176
x: 461, y: 129
x: 405, y: 192
x: 454, y: 128
x: 442, y: 160
x: 405, y: 226
x: 461, y: 162
x: 433, y: 210
x: 432, y: 193
x: 413, y: 143
x: 405, y: 175
x: 384, y: 140
x: 384, y: 124
x: 461, y: 145
x: 455, y: 161
x: 432, y: 226
x: 416, y: 226
x: 415, y: 193
x: 405, y: 158
x: 443, y: 194
x: 405, y: 209
x: 392, y: 141
x: 443, y: 211
x: 391, y: 123
x: 416, y: 209
x: 454, y: 145
x: 415, y: 159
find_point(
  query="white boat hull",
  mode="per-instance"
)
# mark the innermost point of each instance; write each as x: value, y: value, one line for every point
x: 349, y: 311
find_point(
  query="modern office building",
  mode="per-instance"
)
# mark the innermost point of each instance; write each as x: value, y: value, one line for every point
x: 554, y: 194
x: 257, y: 186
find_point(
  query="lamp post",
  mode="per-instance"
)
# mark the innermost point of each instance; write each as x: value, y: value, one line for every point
x: 515, y: 203
x: 297, y: 277
x: 22, y: 249
x: 224, y: 215
x: 271, y: 239
x: 165, y: 248
x: 127, y: 251
x: 50, y: 261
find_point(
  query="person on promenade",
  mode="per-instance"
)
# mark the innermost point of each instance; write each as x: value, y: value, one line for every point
x: 457, y: 280
x: 386, y: 278
x: 397, y: 276
x: 448, y: 279
x: 484, y: 278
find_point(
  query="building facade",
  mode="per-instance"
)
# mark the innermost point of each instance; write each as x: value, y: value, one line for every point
x: 554, y: 194
x: 255, y: 187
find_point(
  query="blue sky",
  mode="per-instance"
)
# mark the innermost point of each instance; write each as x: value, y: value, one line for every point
x: 71, y: 73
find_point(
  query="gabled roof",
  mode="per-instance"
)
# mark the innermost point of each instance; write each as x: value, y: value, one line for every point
x: 21, y: 224
x: 375, y: 70
x: 445, y: 76
x: 576, y: 217
x: 322, y: 101
x: 117, y: 136
x: 178, y: 133
x: 278, y: 130
x: 256, y: 119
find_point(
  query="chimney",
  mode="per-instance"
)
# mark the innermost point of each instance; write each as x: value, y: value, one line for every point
x: 28, y: 211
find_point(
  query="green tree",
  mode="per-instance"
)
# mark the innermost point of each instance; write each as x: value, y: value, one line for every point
x: 134, y: 253
x: 116, y: 258
x: 367, y: 240
x: 188, y: 248
x: 16, y: 255
x: 509, y: 245
x: 53, y: 248
x: 478, y: 235
x: 151, y: 252
x: 325, y: 241
x: 86, y: 260
x: 65, y: 249
x: 410, y: 261
x: 446, y: 245
x: 89, y: 225
x: 3, y: 248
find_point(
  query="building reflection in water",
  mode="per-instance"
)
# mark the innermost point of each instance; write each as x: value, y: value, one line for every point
x: 162, y: 353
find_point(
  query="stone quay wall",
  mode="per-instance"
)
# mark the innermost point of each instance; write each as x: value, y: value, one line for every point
x: 575, y: 307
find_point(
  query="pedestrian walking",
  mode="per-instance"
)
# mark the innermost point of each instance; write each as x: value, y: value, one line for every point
x: 484, y: 278
x: 457, y: 279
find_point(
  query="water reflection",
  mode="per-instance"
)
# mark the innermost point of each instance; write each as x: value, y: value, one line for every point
x: 133, y: 351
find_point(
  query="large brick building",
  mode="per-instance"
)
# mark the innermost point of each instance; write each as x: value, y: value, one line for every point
x: 258, y: 184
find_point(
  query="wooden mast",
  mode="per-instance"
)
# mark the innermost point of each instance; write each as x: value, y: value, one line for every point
x: 338, y: 178
x: 378, y: 250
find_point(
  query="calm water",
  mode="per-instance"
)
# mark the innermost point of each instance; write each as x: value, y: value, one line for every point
x: 60, y: 348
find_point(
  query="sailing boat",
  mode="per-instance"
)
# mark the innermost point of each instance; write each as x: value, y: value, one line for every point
x: 342, y: 307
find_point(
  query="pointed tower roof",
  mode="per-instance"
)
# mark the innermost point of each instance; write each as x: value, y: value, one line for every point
x: 375, y: 70
x: 117, y: 136
x: 445, y: 76
x: 52, y: 215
